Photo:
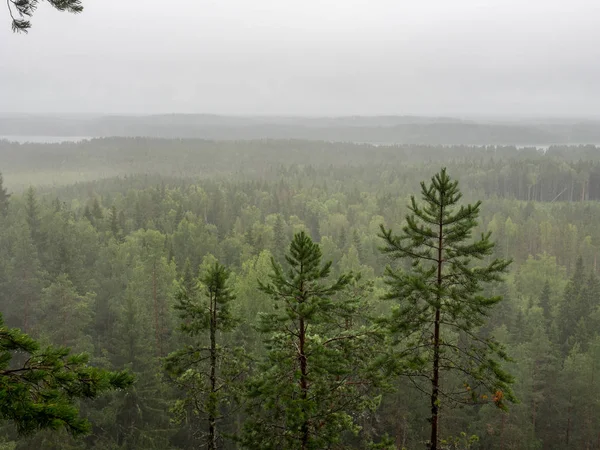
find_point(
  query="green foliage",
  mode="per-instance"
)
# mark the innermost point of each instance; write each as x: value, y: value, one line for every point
x: 439, y: 302
x: 67, y: 315
x: 263, y: 191
x: 207, y: 370
x: 316, y: 377
x: 461, y: 442
x: 39, y: 387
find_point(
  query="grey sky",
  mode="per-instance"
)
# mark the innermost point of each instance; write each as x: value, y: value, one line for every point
x: 323, y: 57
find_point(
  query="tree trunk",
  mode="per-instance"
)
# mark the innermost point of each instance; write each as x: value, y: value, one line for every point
x: 303, y: 381
x: 502, y: 422
x: 156, y: 313
x: 212, y: 413
x: 533, y: 402
x: 435, y: 380
x: 568, y: 422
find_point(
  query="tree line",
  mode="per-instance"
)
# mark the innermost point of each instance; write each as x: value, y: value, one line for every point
x: 561, y: 173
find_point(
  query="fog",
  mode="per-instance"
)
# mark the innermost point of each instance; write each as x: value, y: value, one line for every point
x: 309, y: 57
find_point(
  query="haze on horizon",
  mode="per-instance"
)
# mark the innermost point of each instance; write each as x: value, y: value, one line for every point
x: 309, y: 57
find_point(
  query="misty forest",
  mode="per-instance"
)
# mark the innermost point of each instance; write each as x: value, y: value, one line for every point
x: 299, y: 294
x: 307, y: 281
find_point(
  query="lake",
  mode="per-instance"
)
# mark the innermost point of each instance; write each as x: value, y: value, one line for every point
x: 44, y: 139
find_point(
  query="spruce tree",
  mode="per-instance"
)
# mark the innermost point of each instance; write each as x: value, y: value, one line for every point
x: 206, y: 370
x: 317, y: 375
x: 439, y: 301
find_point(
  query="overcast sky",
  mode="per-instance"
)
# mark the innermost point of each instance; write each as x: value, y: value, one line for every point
x: 313, y: 57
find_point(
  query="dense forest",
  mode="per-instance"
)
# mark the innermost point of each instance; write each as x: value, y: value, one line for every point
x: 281, y: 294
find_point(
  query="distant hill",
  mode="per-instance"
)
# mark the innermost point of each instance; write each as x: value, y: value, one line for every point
x: 378, y: 129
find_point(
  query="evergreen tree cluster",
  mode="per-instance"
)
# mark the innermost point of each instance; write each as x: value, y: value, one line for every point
x: 281, y: 314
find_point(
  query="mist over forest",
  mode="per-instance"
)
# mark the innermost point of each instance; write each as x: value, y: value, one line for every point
x: 316, y: 225
x: 107, y: 241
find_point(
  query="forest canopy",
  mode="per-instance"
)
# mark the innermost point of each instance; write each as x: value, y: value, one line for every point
x: 181, y: 279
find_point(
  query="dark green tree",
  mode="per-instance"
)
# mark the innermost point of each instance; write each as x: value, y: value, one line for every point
x: 206, y: 370
x: 32, y: 211
x: 588, y: 312
x: 316, y: 377
x: 21, y: 11
x: 439, y: 298
x: 39, y: 387
x: 545, y: 298
x: 115, y: 227
x: 572, y: 306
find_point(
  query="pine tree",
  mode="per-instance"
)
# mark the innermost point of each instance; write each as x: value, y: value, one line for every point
x: 316, y: 376
x: 40, y: 393
x: 439, y: 297
x: 21, y: 10
x: 207, y: 372
x: 4, y: 198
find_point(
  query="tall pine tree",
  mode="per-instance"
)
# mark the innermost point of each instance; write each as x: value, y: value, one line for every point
x: 206, y: 370
x: 316, y: 377
x: 439, y: 298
